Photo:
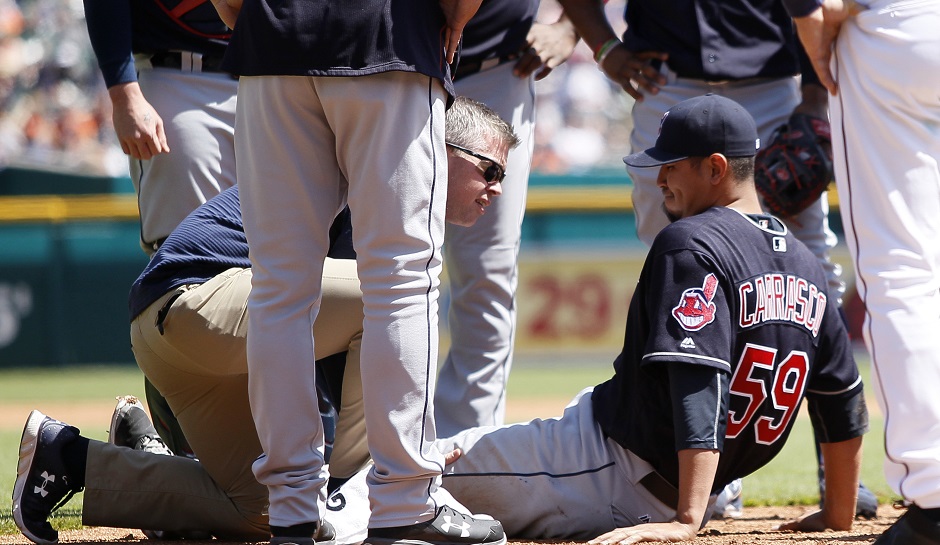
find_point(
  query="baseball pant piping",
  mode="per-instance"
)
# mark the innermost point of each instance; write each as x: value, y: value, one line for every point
x: 887, y: 148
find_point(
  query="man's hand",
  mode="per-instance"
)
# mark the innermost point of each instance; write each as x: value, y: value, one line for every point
x: 138, y: 126
x: 634, y: 71
x: 810, y: 522
x: 228, y: 11
x: 452, y: 456
x: 547, y: 46
x: 697, y: 469
x: 660, y: 531
x: 842, y: 462
x: 457, y: 13
x: 818, y: 32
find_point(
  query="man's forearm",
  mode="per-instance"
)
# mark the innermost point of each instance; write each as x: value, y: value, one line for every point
x: 228, y: 11
x: 697, y: 469
x: 842, y: 462
x: 590, y: 21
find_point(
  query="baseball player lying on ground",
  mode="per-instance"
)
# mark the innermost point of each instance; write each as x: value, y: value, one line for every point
x: 188, y: 335
x: 728, y: 330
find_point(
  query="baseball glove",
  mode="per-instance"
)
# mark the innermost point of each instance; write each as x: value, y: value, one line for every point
x: 796, y: 166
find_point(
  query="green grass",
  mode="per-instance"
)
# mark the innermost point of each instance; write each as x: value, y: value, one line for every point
x: 789, y: 479
x: 81, y: 383
x: 42, y: 387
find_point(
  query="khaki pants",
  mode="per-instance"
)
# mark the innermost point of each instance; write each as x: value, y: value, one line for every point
x: 199, y: 365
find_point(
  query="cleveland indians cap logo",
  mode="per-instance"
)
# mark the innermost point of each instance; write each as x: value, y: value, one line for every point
x: 695, y: 309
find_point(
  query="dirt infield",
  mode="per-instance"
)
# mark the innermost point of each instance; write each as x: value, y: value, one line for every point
x: 757, y: 526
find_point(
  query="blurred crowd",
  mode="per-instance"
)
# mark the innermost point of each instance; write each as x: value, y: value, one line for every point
x: 56, y: 113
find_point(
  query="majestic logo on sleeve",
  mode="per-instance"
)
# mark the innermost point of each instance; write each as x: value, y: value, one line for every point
x: 695, y: 309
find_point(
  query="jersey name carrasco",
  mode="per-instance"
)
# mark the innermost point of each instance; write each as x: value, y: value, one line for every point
x: 739, y: 295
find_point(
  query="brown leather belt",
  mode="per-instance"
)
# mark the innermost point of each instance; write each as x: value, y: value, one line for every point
x: 468, y: 68
x: 659, y: 487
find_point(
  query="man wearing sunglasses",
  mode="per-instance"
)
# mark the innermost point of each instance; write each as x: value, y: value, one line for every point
x: 504, y: 51
x: 465, y: 186
x: 188, y: 333
x: 729, y: 305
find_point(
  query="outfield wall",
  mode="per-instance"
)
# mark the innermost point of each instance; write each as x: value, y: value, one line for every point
x: 69, y: 252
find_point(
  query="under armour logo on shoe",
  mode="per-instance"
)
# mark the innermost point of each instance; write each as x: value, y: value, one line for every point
x: 448, y: 524
x: 46, y: 479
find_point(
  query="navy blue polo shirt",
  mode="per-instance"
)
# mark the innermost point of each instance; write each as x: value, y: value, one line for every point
x: 330, y: 38
x: 208, y: 242
x: 717, y: 40
x: 120, y: 28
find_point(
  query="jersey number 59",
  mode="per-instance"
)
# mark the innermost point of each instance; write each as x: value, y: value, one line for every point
x: 757, y: 373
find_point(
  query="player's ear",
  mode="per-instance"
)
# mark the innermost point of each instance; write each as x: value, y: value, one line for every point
x: 718, y: 165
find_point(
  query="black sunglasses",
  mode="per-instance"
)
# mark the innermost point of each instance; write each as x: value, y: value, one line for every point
x: 495, y: 173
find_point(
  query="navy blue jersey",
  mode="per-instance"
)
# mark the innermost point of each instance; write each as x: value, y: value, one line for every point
x: 716, y: 39
x: 210, y: 241
x: 498, y: 29
x: 731, y: 311
x: 329, y: 38
x: 120, y: 28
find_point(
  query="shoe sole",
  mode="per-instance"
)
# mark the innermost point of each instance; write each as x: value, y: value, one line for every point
x: 122, y: 401
x: 28, y: 443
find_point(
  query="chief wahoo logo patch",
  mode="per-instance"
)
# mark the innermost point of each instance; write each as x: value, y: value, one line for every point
x: 695, y: 309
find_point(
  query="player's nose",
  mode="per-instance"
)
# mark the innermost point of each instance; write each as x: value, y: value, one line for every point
x: 661, y: 178
x: 495, y: 189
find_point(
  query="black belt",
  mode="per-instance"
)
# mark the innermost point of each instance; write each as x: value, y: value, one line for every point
x: 659, y: 487
x: 469, y: 68
x: 161, y: 314
x: 174, y: 59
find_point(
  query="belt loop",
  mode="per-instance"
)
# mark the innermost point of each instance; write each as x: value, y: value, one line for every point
x: 190, y: 61
x: 186, y: 61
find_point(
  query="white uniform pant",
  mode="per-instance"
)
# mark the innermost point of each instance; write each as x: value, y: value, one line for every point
x: 886, y: 142
x: 304, y: 145
x: 482, y: 270
x: 558, y: 478
x: 770, y: 102
x: 198, y: 112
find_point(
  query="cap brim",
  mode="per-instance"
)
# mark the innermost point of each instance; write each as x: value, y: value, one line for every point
x: 652, y: 157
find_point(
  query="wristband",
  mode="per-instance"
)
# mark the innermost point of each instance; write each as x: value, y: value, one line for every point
x: 605, y: 49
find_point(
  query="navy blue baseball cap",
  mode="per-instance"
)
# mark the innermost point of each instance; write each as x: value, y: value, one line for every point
x: 699, y: 127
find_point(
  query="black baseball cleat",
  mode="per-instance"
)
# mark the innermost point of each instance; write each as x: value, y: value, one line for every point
x: 42, y: 482
x: 325, y: 535
x: 132, y: 428
x: 913, y: 528
x: 448, y: 527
